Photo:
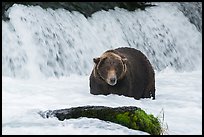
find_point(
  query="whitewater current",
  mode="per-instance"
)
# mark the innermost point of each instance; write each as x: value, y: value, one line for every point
x: 41, y: 43
x: 47, y: 57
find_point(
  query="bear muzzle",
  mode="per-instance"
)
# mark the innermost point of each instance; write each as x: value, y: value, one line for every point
x: 112, y: 79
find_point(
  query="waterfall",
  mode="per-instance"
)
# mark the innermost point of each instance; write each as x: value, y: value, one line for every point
x: 40, y: 42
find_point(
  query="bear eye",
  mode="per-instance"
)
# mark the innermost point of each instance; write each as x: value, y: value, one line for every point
x: 112, y: 63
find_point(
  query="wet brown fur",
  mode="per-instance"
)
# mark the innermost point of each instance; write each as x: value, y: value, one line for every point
x: 137, y: 78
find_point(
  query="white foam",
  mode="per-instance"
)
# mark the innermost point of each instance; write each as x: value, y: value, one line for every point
x: 57, y: 43
x: 178, y: 95
x: 39, y: 45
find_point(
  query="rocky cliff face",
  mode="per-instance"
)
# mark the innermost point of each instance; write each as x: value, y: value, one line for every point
x: 86, y: 8
x: 193, y: 10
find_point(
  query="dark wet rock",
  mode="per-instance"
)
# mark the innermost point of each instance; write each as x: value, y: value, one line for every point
x: 193, y: 11
x: 129, y: 116
x: 86, y: 8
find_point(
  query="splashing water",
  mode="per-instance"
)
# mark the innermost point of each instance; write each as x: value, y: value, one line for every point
x: 40, y: 42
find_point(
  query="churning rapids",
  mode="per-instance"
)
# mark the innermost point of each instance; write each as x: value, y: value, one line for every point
x: 47, y: 57
x: 54, y: 43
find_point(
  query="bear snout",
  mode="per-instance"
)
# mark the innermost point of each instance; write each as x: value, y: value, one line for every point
x: 112, y: 79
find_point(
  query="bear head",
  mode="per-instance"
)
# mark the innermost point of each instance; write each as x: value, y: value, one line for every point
x: 110, y: 67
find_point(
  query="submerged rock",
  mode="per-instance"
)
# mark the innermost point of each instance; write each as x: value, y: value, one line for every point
x: 131, y: 117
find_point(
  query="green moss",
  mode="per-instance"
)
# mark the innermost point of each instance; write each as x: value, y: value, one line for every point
x: 131, y: 117
x: 123, y: 119
x: 139, y: 120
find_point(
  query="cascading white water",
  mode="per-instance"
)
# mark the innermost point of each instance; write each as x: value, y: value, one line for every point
x: 39, y: 45
x: 40, y: 42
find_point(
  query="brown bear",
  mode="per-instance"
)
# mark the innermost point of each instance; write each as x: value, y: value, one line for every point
x: 123, y: 71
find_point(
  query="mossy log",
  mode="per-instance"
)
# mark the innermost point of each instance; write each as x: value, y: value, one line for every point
x: 131, y: 117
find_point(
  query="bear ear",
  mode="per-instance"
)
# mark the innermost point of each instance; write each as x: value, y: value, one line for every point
x: 124, y: 60
x: 96, y: 60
